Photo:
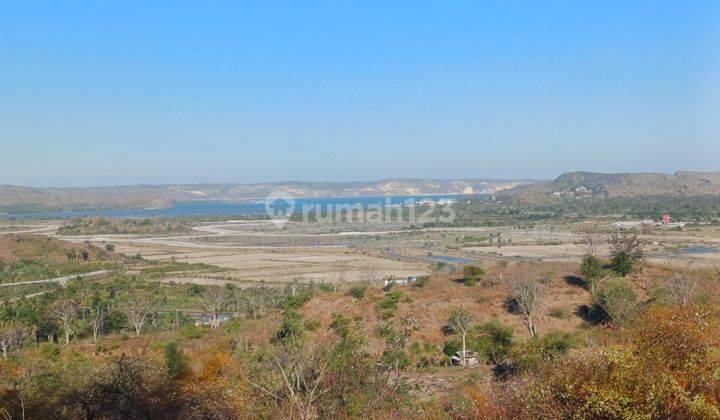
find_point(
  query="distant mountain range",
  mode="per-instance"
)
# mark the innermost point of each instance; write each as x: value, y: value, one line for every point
x: 573, y: 184
x: 26, y: 199
x: 590, y: 184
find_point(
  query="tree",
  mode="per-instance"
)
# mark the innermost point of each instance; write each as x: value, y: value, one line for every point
x: 370, y: 276
x: 298, y: 376
x: 291, y: 329
x: 65, y: 312
x: 524, y: 300
x: 592, y: 269
x: 97, y: 319
x: 626, y: 252
x: 495, y: 341
x: 618, y: 300
x: 472, y: 273
x: 215, y: 301
x: 12, y: 334
x: 175, y: 360
x: 137, y: 310
x: 394, y: 357
x: 682, y: 288
x: 460, y: 322
x: 591, y: 239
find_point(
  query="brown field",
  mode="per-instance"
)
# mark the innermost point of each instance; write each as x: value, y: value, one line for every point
x: 252, y: 251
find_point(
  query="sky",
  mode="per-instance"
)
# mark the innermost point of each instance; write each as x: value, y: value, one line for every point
x: 125, y: 92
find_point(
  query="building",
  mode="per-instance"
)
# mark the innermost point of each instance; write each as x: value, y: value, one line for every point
x: 470, y: 358
x: 400, y: 282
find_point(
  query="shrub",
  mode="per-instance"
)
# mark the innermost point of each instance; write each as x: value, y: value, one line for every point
x: 311, y: 324
x: 494, y: 341
x: 592, y: 268
x: 626, y: 252
x: 558, y: 343
x: 422, y: 281
x: 390, y: 300
x: 298, y: 300
x: 175, y: 361
x: 558, y: 313
x: 341, y: 325
x: 536, y: 353
x: 192, y: 331
x: 452, y: 346
x: 473, y: 272
x: 358, y: 292
x: 617, y: 299
x: 291, y: 329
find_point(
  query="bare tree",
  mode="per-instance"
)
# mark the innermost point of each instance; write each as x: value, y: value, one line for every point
x: 682, y: 287
x: 298, y: 375
x: 592, y: 238
x: 370, y: 276
x: 214, y: 301
x: 460, y: 322
x: 525, y: 299
x: 12, y: 334
x: 137, y: 310
x: 65, y: 312
x: 97, y: 319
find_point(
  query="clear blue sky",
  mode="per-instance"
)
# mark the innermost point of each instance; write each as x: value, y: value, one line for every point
x: 123, y: 92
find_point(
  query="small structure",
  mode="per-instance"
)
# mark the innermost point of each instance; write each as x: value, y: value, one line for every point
x: 400, y: 282
x: 470, y: 358
x: 207, y: 319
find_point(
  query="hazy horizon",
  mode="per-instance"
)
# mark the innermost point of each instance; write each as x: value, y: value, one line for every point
x: 167, y: 93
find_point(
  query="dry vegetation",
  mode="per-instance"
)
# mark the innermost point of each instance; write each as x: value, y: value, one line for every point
x: 612, y: 336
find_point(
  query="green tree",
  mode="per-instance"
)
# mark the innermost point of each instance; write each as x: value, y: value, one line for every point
x: 472, y: 274
x: 626, y: 252
x: 291, y: 329
x: 175, y: 360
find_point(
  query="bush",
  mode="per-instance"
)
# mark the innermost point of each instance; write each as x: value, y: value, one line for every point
x: 390, y: 300
x: 357, y: 292
x: 422, y: 281
x: 298, y: 300
x: 592, y: 268
x: 341, y: 325
x: 473, y: 272
x: 617, y: 299
x: 494, y: 341
x: 558, y: 343
x: 175, y: 361
x: 470, y: 281
x: 311, y: 324
x: 452, y: 346
x: 627, y: 252
x: 558, y: 313
x: 192, y: 331
x: 536, y: 353
x: 291, y: 329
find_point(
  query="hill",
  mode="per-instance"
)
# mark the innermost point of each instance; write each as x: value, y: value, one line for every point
x: 590, y: 184
x: 14, y: 247
x: 26, y: 199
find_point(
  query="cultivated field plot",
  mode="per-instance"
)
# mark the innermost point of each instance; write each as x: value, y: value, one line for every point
x: 255, y: 251
x: 329, y: 265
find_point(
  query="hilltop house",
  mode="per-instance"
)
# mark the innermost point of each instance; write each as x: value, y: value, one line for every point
x: 400, y: 282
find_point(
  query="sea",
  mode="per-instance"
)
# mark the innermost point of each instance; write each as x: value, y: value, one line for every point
x: 256, y: 207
